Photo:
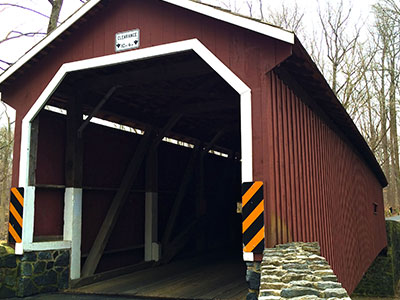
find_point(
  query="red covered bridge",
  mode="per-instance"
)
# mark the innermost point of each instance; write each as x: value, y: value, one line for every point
x: 242, y: 101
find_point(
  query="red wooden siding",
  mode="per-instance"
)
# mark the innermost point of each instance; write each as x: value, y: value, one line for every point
x: 318, y: 189
x: 248, y: 54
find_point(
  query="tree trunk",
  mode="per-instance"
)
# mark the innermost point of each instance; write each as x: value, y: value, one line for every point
x: 372, y: 134
x: 334, y: 77
x: 383, y: 115
x: 394, y: 143
x: 55, y: 14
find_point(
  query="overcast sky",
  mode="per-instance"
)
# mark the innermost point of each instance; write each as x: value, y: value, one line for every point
x: 12, y: 18
x: 17, y: 19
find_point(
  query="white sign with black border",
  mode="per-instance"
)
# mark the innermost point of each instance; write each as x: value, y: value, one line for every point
x: 127, y: 40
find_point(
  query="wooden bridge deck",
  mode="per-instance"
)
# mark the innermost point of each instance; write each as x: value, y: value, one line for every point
x: 198, y: 278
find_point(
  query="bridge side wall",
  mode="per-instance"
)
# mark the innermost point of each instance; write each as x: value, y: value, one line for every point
x: 318, y: 188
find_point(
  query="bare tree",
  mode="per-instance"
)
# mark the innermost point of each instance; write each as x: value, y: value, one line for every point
x: 231, y: 5
x: 387, y: 25
x: 55, y: 14
x: 335, y: 29
x: 52, y: 23
x: 362, y: 69
x: 287, y: 17
x: 249, y: 4
x: 6, y: 147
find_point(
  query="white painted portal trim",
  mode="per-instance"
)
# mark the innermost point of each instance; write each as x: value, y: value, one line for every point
x: 71, y: 233
x: 28, y: 214
x: 43, y: 246
x: 248, y: 256
x: 195, y: 45
x: 241, y: 21
x: 73, y: 227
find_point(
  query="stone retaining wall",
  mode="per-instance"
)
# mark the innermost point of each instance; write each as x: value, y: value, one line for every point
x: 33, y: 272
x: 296, y: 271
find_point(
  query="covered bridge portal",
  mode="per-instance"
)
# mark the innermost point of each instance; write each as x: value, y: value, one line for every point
x: 243, y: 103
x: 144, y: 199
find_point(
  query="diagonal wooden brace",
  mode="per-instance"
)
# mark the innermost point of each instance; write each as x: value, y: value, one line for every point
x: 150, y: 140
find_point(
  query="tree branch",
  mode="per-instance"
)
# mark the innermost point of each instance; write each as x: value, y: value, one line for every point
x: 19, y: 34
x: 5, y: 62
x: 26, y: 8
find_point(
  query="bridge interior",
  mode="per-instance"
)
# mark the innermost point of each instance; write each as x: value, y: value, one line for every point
x: 178, y: 221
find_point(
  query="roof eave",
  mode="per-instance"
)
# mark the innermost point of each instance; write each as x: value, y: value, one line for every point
x: 355, y: 136
x: 253, y: 25
x: 241, y: 21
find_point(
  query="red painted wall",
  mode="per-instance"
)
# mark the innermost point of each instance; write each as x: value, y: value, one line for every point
x: 249, y: 55
x: 317, y: 188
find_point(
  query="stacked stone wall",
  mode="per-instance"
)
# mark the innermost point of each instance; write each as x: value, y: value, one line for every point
x: 32, y: 272
x: 297, y: 271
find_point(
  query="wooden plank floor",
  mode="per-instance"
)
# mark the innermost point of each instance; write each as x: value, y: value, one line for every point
x: 198, y: 278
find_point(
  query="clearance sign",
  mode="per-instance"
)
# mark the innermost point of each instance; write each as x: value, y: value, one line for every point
x: 127, y: 40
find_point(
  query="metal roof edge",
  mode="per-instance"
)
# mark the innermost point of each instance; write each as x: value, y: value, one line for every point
x: 212, y: 12
x: 355, y: 136
x: 241, y: 21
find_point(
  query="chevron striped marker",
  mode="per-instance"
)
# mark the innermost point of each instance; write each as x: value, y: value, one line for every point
x: 16, y: 213
x: 253, y: 216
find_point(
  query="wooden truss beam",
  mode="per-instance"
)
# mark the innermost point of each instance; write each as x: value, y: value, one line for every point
x: 149, y: 76
x: 149, y: 141
x: 103, y: 101
x: 116, y: 206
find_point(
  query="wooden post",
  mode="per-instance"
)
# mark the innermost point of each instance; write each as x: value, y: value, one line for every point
x: 74, y: 145
x: 73, y: 184
x: 151, y: 246
x: 33, y: 151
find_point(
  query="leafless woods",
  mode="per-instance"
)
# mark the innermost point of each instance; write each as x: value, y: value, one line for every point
x: 358, y: 55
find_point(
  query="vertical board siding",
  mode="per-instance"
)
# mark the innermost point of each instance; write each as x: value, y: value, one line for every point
x: 319, y: 188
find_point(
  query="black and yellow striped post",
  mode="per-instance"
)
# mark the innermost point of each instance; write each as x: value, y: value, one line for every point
x: 16, y: 214
x: 253, y: 216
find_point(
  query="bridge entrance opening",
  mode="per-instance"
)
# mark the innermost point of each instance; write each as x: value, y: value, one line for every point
x: 160, y: 176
